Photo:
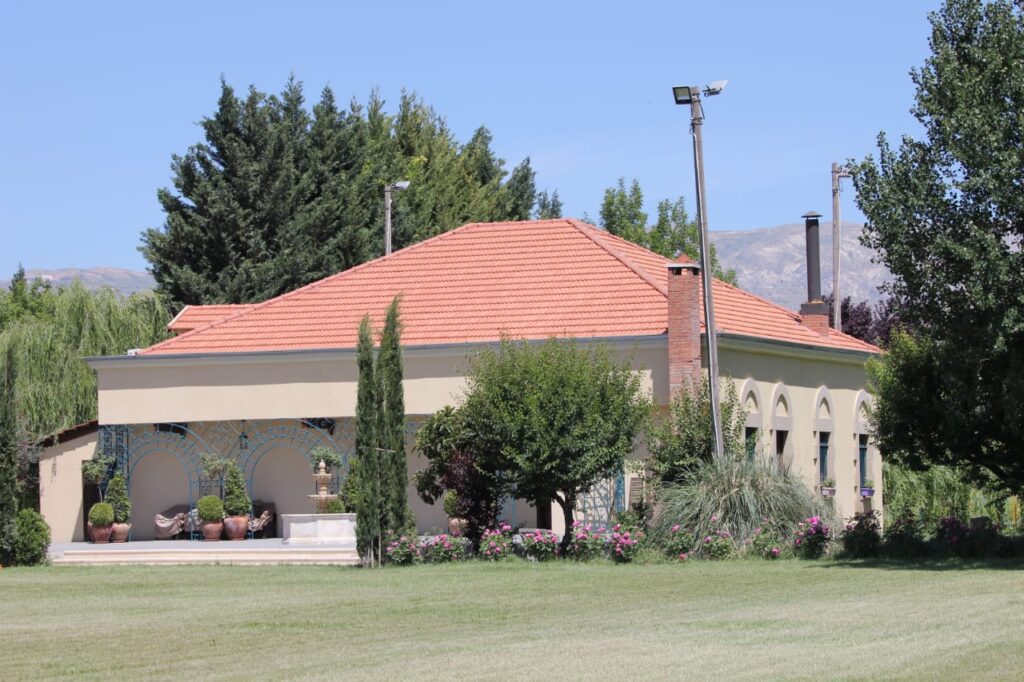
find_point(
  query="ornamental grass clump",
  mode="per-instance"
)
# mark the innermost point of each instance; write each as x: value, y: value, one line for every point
x: 403, y: 551
x: 496, y: 544
x: 812, y: 538
x: 587, y: 543
x: 540, y: 545
x: 735, y: 494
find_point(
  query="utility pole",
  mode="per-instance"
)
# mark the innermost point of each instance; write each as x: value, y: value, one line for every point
x: 837, y: 236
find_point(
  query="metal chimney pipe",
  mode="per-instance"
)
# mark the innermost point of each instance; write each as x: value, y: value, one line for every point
x: 811, y: 230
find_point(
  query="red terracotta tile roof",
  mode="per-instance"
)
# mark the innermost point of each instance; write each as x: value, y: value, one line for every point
x: 532, y: 280
x: 196, y: 316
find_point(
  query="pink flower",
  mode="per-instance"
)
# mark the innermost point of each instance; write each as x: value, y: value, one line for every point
x: 683, y: 556
x: 675, y: 528
x: 775, y: 551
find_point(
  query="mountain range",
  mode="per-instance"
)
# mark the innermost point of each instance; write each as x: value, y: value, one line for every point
x: 769, y: 262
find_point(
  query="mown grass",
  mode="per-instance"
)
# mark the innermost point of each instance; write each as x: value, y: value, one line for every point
x: 742, y: 619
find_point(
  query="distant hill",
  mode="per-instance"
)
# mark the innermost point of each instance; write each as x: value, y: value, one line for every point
x: 771, y: 262
x: 124, y: 280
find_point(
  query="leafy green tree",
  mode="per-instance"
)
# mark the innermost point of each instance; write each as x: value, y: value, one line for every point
x: 8, y: 462
x: 672, y: 235
x: 553, y: 418
x: 683, y: 438
x: 26, y: 299
x: 369, y: 510
x: 275, y: 196
x: 946, y: 216
x: 392, y: 435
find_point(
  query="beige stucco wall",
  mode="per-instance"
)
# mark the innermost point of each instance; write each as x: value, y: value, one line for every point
x: 158, y: 482
x: 60, y: 487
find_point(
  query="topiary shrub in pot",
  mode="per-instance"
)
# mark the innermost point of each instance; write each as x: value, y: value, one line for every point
x: 33, y: 538
x: 211, y: 513
x: 117, y: 498
x: 101, y: 519
x: 236, y: 504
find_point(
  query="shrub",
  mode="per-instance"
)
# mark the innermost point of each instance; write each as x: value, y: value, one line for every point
x: 541, y: 545
x: 101, y: 514
x: 236, y: 500
x: 403, y: 551
x: 862, y: 536
x: 678, y: 543
x: 586, y: 543
x: 496, y: 544
x: 903, y: 539
x: 444, y: 549
x: 812, y: 538
x: 451, y: 504
x: 624, y: 544
x: 210, y: 509
x: 980, y: 539
x: 117, y: 497
x: 32, y: 540
x: 329, y: 456
x: 735, y: 495
x: 637, y: 517
x: 767, y: 542
x: 717, y: 545
x: 336, y: 506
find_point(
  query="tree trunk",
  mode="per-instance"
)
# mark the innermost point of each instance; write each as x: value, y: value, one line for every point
x: 568, y: 505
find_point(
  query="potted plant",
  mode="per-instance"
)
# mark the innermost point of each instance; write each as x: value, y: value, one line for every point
x: 117, y: 497
x: 828, y: 487
x: 101, y: 520
x: 330, y: 458
x: 867, y: 488
x: 456, y: 524
x: 211, y: 513
x: 237, y: 504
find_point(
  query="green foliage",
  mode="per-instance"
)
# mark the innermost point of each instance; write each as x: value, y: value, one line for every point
x: 33, y: 538
x: 96, y: 469
x: 236, y: 499
x: 101, y: 514
x: 329, y: 456
x: 552, y: 418
x: 862, y: 536
x: 451, y: 504
x: 444, y: 549
x: 395, y: 481
x: 672, y: 235
x: 812, y: 538
x: 903, y: 539
x: 540, y: 545
x: 677, y: 543
x: 548, y: 205
x: 370, y: 510
x: 214, y: 465
x: 684, y: 438
x: 117, y: 497
x: 8, y: 462
x: 336, y: 506
x: 735, y: 494
x: 936, y: 493
x: 276, y: 195
x: 946, y: 217
x: 403, y: 551
x: 210, y: 509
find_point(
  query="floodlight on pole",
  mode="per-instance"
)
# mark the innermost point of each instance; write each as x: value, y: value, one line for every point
x: 690, y: 94
x: 399, y: 186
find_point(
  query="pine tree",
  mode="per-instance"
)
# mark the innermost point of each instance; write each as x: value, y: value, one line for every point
x: 519, y: 193
x: 8, y: 461
x: 392, y: 435
x: 368, y: 529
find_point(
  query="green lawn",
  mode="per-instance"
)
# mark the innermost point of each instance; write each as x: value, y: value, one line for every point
x: 735, y: 619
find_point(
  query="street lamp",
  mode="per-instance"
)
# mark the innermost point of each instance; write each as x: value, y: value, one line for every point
x: 399, y: 186
x: 690, y: 94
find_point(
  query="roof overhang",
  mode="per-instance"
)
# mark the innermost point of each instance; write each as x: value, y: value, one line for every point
x: 756, y: 344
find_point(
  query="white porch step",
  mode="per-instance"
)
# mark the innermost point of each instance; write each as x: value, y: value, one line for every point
x: 333, y: 556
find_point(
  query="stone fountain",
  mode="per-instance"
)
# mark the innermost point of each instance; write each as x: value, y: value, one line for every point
x: 320, y: 527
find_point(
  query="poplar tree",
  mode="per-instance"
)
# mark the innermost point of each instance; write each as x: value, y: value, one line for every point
x: 368, y: 528
x: 392, y: 435
x: 8, y: 461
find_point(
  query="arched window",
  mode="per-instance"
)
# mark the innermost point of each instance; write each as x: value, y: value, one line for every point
x: 824, y: 438
x: 782, y: 425
x: 751, y: 402
x: 862, y: 437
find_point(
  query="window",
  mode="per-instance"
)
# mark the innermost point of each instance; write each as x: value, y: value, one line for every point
x: 750, y: 439
x: 862, y: 450
x: 823, y: 456
x: 780, y: 447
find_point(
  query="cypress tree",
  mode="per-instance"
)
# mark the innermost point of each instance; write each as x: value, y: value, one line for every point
x: 392, y: 435
x: 368, y: 530
x: 8, y: 461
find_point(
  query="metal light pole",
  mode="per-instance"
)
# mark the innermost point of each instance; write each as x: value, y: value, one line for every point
x: 691, y: 95
x: 397, y: 187
x: 837, y: 236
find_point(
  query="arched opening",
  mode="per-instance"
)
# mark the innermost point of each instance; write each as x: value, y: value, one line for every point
x: 283, y: 476
x: 753, y: 431
x: 782, y: 426
x: 157, y: 483
x: 824, y: 436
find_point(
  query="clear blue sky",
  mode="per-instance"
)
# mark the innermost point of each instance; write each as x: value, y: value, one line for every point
x: 98, y: 96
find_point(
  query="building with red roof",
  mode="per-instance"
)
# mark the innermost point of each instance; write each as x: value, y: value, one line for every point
x: 265, y: 383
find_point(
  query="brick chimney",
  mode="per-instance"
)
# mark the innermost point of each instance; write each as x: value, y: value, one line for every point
x: 683, y: 326
x: 813, y: 313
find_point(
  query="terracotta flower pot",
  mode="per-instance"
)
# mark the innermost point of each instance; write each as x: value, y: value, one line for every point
x: 212, y: 530
x: 456, y: 526
x: 99, y: 534
x: 119, y: 532
x: 236, y: 527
